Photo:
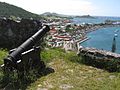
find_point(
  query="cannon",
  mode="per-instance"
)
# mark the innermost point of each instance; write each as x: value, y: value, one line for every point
x: 27, y: 55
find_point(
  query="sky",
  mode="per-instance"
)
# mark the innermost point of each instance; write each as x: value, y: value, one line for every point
x: 70, y: 7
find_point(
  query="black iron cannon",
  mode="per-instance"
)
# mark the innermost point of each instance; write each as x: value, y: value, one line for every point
x: 26, y: 56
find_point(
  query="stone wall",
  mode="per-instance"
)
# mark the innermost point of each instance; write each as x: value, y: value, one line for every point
x: 13, y: 33
x: 100, y: 58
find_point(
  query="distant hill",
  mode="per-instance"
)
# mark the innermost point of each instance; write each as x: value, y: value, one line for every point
x: 85, y: 16
x: 7, y: 10
x: 49, y: 14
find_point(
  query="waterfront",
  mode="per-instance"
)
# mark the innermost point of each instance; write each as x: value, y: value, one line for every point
x: 65, y: 32
x: 103, y: 38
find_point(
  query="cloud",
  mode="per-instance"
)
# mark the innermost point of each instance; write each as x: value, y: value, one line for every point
x: 60, y: 6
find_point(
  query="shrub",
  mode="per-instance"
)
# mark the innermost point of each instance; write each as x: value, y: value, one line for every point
x: 3, y: 53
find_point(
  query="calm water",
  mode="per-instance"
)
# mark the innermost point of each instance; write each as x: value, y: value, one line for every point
x: 103, y: 38
x: 93, y: 20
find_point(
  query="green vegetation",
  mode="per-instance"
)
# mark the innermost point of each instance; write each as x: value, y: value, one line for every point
x: 111, y: 65
x: 55, y: 53
x: 7, y: 10
x: 3, y: 53
x: 71, y: 74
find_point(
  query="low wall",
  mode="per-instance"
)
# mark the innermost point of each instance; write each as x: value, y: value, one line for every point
x: 100, y: 58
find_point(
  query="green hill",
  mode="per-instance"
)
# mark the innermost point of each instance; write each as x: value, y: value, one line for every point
x: 7, y: 10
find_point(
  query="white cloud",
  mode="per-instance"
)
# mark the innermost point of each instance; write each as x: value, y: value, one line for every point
x: 60, y: 6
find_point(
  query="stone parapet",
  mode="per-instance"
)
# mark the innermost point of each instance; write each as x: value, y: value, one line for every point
x: 96, y: 53
x: 100, y: 58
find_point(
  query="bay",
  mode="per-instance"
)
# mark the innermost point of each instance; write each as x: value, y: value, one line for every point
x: 103, y: 39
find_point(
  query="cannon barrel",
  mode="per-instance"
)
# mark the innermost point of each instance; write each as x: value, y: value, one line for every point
x: 29, y: 43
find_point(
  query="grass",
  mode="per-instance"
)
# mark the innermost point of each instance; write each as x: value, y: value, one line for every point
x: 3, y: 53
x: 71, y: 74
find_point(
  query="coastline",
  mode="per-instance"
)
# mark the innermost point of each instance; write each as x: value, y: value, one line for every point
x: 98, y: 27
x: 91, y: 29
x: 83, y: 40
x: 94, y: 28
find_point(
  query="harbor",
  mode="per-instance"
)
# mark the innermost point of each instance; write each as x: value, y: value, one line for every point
x: 103, y: 39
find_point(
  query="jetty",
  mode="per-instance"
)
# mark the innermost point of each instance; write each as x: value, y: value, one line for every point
x: 81, y: 41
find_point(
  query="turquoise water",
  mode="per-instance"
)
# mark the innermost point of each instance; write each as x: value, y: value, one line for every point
x: 93, y: 20
x: 103, y: 38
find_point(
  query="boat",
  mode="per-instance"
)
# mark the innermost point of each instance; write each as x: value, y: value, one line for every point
x: 115, y: 35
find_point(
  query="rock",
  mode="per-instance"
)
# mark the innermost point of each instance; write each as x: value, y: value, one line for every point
x: 112, y: 76
x: 99, y: 79
x: 42, y: 89
x: 39, y: 85
x: 65, y: 87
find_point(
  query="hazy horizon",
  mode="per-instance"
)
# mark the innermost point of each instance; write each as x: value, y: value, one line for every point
x: 70, y: 7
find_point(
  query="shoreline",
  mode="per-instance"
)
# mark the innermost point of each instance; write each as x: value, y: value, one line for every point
x: 94, y: 28
x: 83, y: 40
x: 91, y: 29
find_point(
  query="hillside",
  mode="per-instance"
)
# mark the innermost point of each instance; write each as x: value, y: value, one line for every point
x: 70, y: 74
x: 7, y: 10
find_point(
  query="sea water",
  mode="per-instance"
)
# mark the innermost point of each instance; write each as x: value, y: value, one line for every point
x: 103, y: 39
x: 95, y: 20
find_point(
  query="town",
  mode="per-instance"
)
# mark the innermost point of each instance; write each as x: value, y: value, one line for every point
x: 63, y: 32
x: 67, y: 35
